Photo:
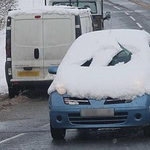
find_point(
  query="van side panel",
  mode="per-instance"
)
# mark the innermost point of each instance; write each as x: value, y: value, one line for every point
x: 59, y: 34
x: 26, y: 37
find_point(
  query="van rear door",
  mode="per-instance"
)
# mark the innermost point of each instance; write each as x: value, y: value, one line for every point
x: 59, y: 33
x: 27, y: 47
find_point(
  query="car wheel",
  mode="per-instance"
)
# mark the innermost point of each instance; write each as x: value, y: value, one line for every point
x: 57, y: 134
x: 11, y: 92
x: 147, y: 131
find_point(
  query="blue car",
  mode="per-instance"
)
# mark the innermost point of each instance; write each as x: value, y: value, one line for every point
x: 93, y: 91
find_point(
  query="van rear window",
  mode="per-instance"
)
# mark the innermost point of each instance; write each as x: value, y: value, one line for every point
x: 50, y: 32
x: 83, y: 4
x: 28, y: 32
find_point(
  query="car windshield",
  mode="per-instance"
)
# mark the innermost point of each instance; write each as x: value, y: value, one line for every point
x: 122, y: 56
x: 83, y: 4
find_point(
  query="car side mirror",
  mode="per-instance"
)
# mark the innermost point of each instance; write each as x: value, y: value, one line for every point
x: 53, y: 69
x: 107, y: 16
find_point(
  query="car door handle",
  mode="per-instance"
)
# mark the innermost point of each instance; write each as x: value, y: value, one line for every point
x: 36, y: 53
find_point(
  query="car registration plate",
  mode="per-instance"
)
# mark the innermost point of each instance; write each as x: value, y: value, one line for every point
x: 28, y: 73
x: 102, y: 112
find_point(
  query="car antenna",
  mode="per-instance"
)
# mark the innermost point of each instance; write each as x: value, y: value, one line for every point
x: 77, y: 3
x: 33, y: 2
x: 69, y: 2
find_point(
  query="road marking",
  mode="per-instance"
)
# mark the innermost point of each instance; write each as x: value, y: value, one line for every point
x: 45, y: 125
x: 117, y: 7
x: 140, y: 26
x: 126, y: 13
x: 132, y: 18
x: 14, y: 137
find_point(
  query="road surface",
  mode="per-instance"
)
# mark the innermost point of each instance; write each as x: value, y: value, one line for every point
x: 24, y: 120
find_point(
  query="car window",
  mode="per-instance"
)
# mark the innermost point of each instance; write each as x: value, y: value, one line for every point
x: 87, y: 63
x: 123, y: 56
x: 83, y: 4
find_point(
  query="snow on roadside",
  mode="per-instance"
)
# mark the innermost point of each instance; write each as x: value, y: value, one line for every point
x: 3, y: 84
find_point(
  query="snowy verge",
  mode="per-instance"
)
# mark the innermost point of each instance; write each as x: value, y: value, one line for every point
x: 3, y: 84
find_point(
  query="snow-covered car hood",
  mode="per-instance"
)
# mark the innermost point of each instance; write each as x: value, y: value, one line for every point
x: 124, y: 80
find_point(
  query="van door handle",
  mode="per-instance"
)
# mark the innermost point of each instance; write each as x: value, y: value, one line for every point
x: 36, y: 53
x: 27, y: 68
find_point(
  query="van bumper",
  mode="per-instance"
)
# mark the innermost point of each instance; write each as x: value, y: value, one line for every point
x: 30, y: 83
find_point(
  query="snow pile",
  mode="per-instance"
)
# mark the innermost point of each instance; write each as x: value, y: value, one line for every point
x: 61, y: 10
x: 99, y: 80
x: 3, y: 84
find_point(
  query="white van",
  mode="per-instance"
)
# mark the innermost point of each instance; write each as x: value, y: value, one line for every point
x: 96, y: 7
x: 38, y: 38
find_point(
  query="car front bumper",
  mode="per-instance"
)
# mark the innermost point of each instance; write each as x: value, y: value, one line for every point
x: 130, y: 114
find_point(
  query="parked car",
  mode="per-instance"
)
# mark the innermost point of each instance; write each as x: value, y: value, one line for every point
x: 102, y: 82
x: 95, y: 6
x: 37, y: 38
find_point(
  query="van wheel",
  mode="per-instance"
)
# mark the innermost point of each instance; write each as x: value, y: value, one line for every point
x: 13, y: 91
x: 147, y: 131
x: 58, y: 134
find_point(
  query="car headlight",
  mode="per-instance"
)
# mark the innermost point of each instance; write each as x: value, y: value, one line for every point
x: 60, y: 89
x: 70, y: 102
x: 76, y: 101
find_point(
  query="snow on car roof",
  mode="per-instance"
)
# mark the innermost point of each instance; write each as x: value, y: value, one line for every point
x: 61, y: 10
x: 124, y: 80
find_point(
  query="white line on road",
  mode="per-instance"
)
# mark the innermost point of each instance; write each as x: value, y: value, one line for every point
x: 139, y: 25
x: 132, y: 18
x: 126, y: 13
x: 45, y: 125
x: 14, y: 137
x: 117, y: 7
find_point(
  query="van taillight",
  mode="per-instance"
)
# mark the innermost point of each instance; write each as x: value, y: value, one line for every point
x: 8, y: 38
x: 8, y: 48
x: 37, y: 17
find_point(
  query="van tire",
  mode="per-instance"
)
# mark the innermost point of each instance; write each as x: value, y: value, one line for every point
x: 13, y: 91
x: 58, y: 134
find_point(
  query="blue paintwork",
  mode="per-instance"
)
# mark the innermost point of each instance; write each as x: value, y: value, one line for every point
x: 53, y: 69
x: 138, y: 105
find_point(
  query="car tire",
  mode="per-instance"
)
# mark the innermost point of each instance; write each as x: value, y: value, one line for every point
x: 57, y: 134
x: 147, y: 131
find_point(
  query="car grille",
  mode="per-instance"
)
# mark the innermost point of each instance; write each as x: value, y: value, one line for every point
x: 119, y: 117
